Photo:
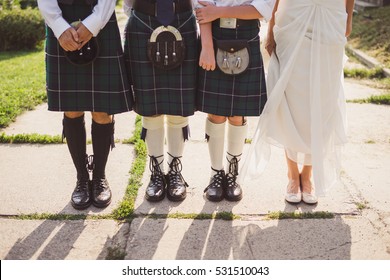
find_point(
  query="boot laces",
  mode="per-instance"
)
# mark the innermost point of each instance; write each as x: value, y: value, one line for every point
x: 175, y: 167
x: 154, y: 167
x: 217, y: 180
x: 233, y: 171
x: 90, y: 164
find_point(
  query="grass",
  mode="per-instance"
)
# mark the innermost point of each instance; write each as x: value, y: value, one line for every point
x: 279, y: 215
x: 22, y: 86
x: 371, y: 33
x: 361, y: 73
x: 126, y: 207
x: 361, y: 205
x: 33, y: 138
x: 383, y: 99
x: 227, y: 216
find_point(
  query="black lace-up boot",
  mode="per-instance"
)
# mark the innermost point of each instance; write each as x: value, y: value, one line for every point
x: 215, y: 190
x: 176, y: 186
x: 102, y: 140
x: 74, y: 132
x: 233, y: 191
x: 155, y: 191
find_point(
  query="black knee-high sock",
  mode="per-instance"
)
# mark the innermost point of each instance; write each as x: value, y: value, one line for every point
x: 74, y: 132
x: 102, y: 139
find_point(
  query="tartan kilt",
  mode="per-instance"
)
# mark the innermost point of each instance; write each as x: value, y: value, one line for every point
x: 234, y: 95
x: 101, y: 86
x: 157, y: 91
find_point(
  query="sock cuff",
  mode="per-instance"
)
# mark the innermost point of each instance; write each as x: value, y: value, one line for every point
x: 153, y: 122
x: 215, y: 129
x: 237, y: 133
x: 177, y: 121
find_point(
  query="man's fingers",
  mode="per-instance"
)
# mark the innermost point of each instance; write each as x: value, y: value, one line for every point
x: 74, y: 34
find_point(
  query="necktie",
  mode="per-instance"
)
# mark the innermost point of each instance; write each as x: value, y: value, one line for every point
x: 165, y: 12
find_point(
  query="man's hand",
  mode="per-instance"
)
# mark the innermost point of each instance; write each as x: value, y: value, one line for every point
x: 84, y: 35
x: 208, y: 13
x: 69, y: 40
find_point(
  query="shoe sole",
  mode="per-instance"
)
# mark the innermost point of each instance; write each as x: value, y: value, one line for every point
x: 80, y: 207
x: 237, y: 198
x: 291, y: 202
x: 101, y: 205
x: 153, y: 199
x: 214, y: 199
x: 176, y: 198
x: 310, y: 203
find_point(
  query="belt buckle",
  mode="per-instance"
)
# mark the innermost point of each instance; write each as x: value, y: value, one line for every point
x: 230, y: 23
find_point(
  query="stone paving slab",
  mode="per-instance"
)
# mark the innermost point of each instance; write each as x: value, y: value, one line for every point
x: 339, y: 238
x: 41, y: 178
x: 42, y: 121
x: 60, y: 240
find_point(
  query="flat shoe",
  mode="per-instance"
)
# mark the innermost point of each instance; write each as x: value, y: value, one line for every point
x: 293, y: 198
x: 309, y: 198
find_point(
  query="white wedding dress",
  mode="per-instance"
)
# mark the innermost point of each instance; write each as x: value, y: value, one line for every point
x: 305, y: 111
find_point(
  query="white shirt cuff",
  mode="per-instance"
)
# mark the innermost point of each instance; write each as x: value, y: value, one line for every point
x: 59, y: 26
x: 93, y: 24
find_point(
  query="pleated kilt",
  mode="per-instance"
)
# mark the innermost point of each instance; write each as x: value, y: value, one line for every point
x: 157, y: 91
x: 98, y: 87
x: 239, y: 95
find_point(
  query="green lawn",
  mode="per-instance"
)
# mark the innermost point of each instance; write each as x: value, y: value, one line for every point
x: 371, y: 33
x: 22, y: 83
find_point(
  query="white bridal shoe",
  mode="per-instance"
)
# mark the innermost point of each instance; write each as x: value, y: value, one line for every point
x: 293, y: 198
x: 309, y: 198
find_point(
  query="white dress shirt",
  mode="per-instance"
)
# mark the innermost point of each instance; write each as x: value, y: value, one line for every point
x: 264, y: 7
x: 96, y: 21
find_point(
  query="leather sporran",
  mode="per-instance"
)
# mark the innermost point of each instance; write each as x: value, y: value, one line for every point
x: 232, y: 56
x: 86, y: 55
x: 166, y: 48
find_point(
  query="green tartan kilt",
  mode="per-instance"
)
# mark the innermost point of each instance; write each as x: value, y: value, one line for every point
x: 101, y: 86
x: 234, y: 95
x: 157, y: 91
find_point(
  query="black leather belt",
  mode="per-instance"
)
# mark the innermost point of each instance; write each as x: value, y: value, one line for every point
x: 240, y: 22
x: 148, y: 7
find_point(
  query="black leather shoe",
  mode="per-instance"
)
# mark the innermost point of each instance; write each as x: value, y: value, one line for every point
x: 81, y: 196
x: 155, y: 191
x: 233, y: 191
x: 101, y: 193
x: 215, y: 190
x: 176, y: 186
